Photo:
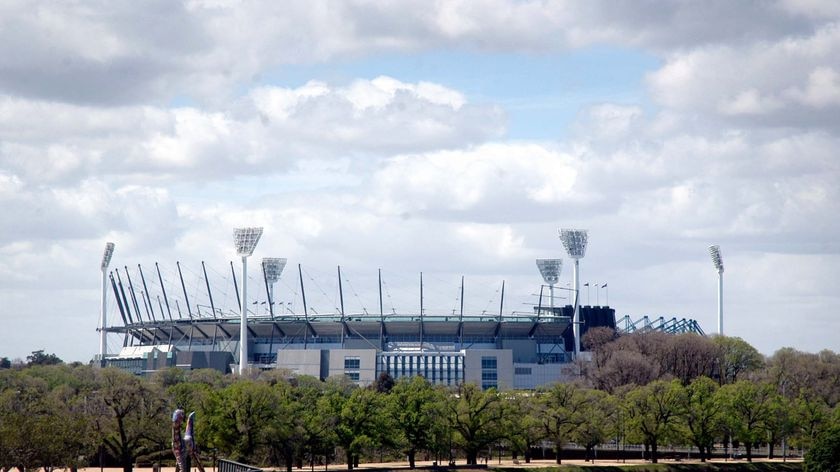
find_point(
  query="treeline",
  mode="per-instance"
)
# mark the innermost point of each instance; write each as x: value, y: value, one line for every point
x: 645, y: 389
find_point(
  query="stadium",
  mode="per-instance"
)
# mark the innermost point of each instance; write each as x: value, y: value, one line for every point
x: 158, y: 329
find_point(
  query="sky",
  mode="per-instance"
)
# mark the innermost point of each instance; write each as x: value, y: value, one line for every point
x: 452, y: 138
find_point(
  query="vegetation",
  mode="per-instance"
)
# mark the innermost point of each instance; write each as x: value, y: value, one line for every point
x: 647, y: 389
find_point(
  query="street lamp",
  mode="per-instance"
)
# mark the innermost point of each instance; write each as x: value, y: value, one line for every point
x: 272, y: 268
x: 103, y: 344
x: 550, y: 271
x: 574, y: 241
x: 246, y: 240
x: 717, y: 260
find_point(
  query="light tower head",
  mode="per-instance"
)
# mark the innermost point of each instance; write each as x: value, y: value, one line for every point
x: 246, y: 240
x: 106, y: 257
x: 550, y: 270
x: 273, y: 267
x: 574, y: 241
x: 717, y: 259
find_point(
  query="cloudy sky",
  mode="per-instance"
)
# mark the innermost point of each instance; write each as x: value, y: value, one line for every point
x: 448, y: 137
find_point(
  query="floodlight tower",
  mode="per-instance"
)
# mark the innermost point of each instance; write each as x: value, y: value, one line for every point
x: 717, y: 259
x: 550, y: 271
x: 103, y: 344
x: 246, y: 240
x: 272, y: 267
x: 574, y: 241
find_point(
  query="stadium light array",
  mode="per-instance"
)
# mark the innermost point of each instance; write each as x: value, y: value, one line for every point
x: 717, y: 260
x: 103, y: 341
x: 574, y: 241
x: 550, y: 271
x: 272, y: 267
x: 245, y: 240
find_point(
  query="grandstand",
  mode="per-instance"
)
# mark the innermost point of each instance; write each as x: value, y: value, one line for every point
x: 502, y: 349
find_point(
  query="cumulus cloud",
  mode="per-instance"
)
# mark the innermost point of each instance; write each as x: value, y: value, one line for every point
x: 789, y: 81
x: 106, y: 53
x: 266, y: 131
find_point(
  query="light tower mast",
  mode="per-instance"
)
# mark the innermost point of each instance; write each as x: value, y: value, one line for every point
x: 574, y: 241
x: 103, y: 341
x: 717, y: 259
x: 550, y: 271
x: 246, y: 240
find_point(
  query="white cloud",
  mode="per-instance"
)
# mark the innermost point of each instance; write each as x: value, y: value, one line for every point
x: 788, y: 81
x: 266, y: 131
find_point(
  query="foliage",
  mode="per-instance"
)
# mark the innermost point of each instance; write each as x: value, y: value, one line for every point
x: 41, y: 358
x: 824, y: 456
x: 67, y: 416
x: 476, y: 418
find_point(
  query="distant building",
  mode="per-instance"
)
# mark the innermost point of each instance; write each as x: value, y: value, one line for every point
x: 507, y: 352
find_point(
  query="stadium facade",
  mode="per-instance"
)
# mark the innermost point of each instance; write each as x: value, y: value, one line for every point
x: 519, y: 351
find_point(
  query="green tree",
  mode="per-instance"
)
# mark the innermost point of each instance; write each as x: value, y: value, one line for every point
x: 475, y: 417
x: 598, y: 420
x: 811, y: 415
x: 522, y: 424
x: 237, y: 416
x: 358, y: 425
x: 748, y: 406
x: 135, y: 420
x: 415, y: 406
x: 735, y: 358
x: 40, y: 358
x: 561, y: 408
x: 824, y: 456
x: 282, y: 430
x: 700, y: 412
x: 651, y: 411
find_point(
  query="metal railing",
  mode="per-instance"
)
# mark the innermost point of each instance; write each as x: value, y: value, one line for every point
x: 231, y: 466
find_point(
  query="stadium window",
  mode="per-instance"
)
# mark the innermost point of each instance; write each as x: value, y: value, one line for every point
x: 522, y: 371
x: 488, y: 362
x: 352, y: 362
x: 354, y: 376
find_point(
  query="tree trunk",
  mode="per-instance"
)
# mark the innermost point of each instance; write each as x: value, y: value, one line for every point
x: 528, y: 455
x: 558, y: 451
x: 349, y: 460
x: 702, y: 452
x: 288, y: 458
x: 472, y: 457
x: 748, y: 445
x: 770, y: 449
x: 653, y: 458
x: 411, y: 454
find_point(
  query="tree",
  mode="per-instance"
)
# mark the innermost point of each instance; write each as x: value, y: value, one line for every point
x: 735, y: 358
x: 824, y: 456
x: 237, y: 416
x: 358, y: 424
x: 598, y: 420
x: 136, y: 422
x: 522, y: 423
x: 414, y: 405
x: 651, y: 411
x: 282, y: 433
x: 5, y: 363
x: 561, y: 409
x: 475, y: 417
x: 40, y: 358
x: 701, y: 414
x: 748, y: 407
x: 688, y: 356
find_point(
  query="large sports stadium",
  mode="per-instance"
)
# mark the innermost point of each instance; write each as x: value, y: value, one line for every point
x: 162, y: 322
